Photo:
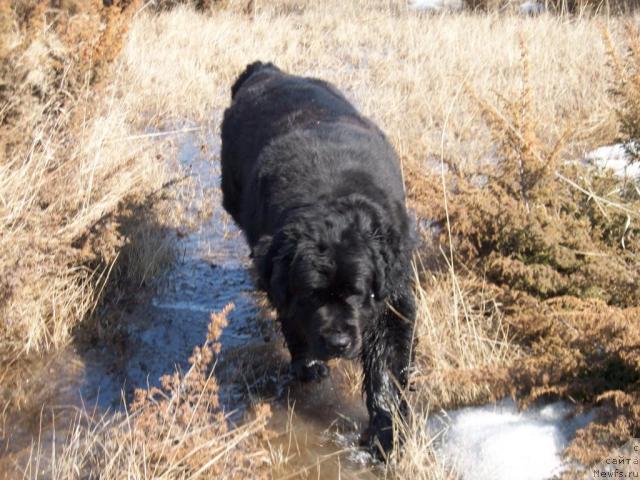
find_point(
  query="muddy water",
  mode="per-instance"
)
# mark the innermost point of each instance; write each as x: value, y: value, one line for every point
x: 318, y: 423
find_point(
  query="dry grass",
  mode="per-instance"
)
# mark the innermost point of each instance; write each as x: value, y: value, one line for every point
x: 461, y: 334
x: 407, y: 74
x: 85, y: 215
x: 413, y: 75
x: 558, y: 245
x: 69, y: 184
x: 626, y: 69
x: 461, y: 331
x: 176, y: 431
x: 562, y: 7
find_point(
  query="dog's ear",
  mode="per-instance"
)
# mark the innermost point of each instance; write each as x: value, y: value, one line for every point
x: 272, y: 257
x: 380, y: 289
x: 262, y: 260
x: 392, y: 251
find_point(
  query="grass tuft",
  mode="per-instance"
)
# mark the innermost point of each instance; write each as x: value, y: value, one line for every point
x: 178, y: 430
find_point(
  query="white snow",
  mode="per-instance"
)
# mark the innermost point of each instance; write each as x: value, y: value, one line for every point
x: 615, y: 158
x: 531, y: 7
x: 499, y: 443
x: 436, y: 5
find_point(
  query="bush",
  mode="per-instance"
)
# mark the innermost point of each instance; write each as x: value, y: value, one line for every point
x: 559, y: 245
x: 66, y: 194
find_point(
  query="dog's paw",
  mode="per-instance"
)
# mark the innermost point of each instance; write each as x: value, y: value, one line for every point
x: 378, y: 439
x: 309, y: 370
x: 378, y: 445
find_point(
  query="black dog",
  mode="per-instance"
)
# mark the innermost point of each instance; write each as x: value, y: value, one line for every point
x: 317, y: 190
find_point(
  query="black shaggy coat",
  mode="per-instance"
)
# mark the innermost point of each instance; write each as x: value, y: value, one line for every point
x: 317, y: 190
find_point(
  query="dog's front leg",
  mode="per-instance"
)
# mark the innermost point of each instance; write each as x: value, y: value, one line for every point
x: 387, y: 357
x: 303, y: 366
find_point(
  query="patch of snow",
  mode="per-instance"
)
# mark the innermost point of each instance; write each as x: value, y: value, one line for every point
x: 436, y: 167
x: 531, y: 7
x: 436, y: 5
x: 615, y: 158
x: 497, y: 442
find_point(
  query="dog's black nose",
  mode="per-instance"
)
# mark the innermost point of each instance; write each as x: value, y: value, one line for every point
x: 339, y: 343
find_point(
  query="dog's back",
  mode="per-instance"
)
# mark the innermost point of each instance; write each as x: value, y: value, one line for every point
x: 265, y: 96
x: 268, y: 103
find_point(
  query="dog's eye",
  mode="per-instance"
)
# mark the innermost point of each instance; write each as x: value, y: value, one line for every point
x: 373, y: 296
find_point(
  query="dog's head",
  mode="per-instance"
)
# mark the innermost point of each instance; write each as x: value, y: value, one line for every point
x: 327, y: 271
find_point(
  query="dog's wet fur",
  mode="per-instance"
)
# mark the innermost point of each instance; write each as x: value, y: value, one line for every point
x: 317, y: 190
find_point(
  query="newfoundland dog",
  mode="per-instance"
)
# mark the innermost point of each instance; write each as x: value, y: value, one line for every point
x: 317, y: 190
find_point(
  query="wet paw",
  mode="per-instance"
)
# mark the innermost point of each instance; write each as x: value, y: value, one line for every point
x: 378, y: 439
x: 379, y: 445
x: 309, y: 370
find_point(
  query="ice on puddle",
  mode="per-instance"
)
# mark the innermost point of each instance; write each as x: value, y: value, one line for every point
x: 531, y: 7
x: 497, y: 442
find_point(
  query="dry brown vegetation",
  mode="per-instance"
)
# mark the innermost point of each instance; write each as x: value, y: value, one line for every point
x: 559, y: 247
x: 178, y: 430
x: 626, y: 87
x: 562, y: 7
x: 76, y: 200
x: 529, y: 286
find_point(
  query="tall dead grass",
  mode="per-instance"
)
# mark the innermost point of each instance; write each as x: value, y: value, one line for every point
x: 560, y: 7
x: 558, y: 246
x: 178, y: 430
x: 461, y: 332
x: 70, y: 183
x: 625, y: 66
x: 461, y: 335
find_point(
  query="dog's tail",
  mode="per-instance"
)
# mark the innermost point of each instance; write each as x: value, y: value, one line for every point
x: 248, y: 72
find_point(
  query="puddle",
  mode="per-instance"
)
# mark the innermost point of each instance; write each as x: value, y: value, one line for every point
x: 318, y: 434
